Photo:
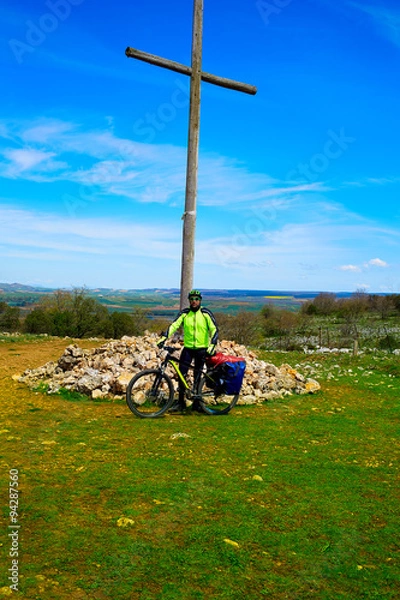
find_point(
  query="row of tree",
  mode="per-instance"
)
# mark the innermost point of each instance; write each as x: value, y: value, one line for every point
x: 75, y: 314
x: 9, y: 317
x: 325, y: 320
x: 328, y: 304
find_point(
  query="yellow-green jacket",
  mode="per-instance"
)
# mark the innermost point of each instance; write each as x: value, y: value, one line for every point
x: 199, y: 328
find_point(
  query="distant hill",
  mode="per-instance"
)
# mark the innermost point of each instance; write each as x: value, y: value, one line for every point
x: 210, y: 293
x: 20, y: 287
x: 165, y: 302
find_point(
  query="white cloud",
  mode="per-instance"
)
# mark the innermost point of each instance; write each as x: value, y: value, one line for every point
x: 377, y: 262
x: 374, y: 262
x: 352, y: 268
x: 30, y: 163
x: 26, y: 158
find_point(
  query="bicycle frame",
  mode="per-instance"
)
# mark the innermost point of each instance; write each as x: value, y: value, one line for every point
x: 170, y: 359
x: 150, y: 393
x: 178, y: 372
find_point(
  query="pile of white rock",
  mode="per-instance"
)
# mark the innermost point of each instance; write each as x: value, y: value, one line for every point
x: 105, y: 372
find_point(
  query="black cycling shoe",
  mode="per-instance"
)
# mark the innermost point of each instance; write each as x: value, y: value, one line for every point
x: 196, y: 407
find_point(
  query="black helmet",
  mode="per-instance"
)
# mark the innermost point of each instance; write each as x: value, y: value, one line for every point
x: 194, y: 293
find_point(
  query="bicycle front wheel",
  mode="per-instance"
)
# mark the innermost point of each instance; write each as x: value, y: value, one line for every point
x: 214, y: 402
x: 150, y: 393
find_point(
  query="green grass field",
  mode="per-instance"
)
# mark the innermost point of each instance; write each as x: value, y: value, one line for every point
x: 295, y: 499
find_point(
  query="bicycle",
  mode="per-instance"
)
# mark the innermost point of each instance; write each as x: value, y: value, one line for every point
x: 151, y: 392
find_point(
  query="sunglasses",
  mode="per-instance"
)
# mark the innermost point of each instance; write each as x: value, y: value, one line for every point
x: 194, y: 298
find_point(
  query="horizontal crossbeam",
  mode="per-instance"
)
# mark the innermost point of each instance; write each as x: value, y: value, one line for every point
x: 179, y: 68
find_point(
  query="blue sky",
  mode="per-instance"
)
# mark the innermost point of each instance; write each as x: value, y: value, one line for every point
x: 298, y: 186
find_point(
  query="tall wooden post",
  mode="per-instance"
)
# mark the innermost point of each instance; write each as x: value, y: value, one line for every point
x: 196, y: 77
x: 189, y: 216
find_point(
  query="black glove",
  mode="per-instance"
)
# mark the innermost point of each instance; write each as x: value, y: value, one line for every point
x: 161, y: 341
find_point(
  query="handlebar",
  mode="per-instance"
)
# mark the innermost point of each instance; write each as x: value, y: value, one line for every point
x: 170, y: 349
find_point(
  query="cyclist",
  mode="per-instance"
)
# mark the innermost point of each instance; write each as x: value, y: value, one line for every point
x: 200, y: 335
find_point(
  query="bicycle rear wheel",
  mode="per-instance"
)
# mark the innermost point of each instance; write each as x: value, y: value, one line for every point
x: 150, y: 393
x: 215, y: 402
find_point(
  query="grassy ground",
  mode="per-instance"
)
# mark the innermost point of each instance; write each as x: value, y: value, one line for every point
x: 296, y: 499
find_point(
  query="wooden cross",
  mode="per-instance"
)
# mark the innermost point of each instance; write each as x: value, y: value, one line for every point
x: 196, y: 76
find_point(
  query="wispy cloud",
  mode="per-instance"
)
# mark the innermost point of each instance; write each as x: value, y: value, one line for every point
x: 38, y: 230
x: 46, y: 131
x: 352, y: 268
x: 315, y: 244
x: 51, y: 151
x: 35, y: 162
x: 288, y: 252
x: 385, y: 19
x: 295, y: 243
x: 369, y: 181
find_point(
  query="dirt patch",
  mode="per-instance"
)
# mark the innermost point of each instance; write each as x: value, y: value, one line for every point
x: 15, y: 357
